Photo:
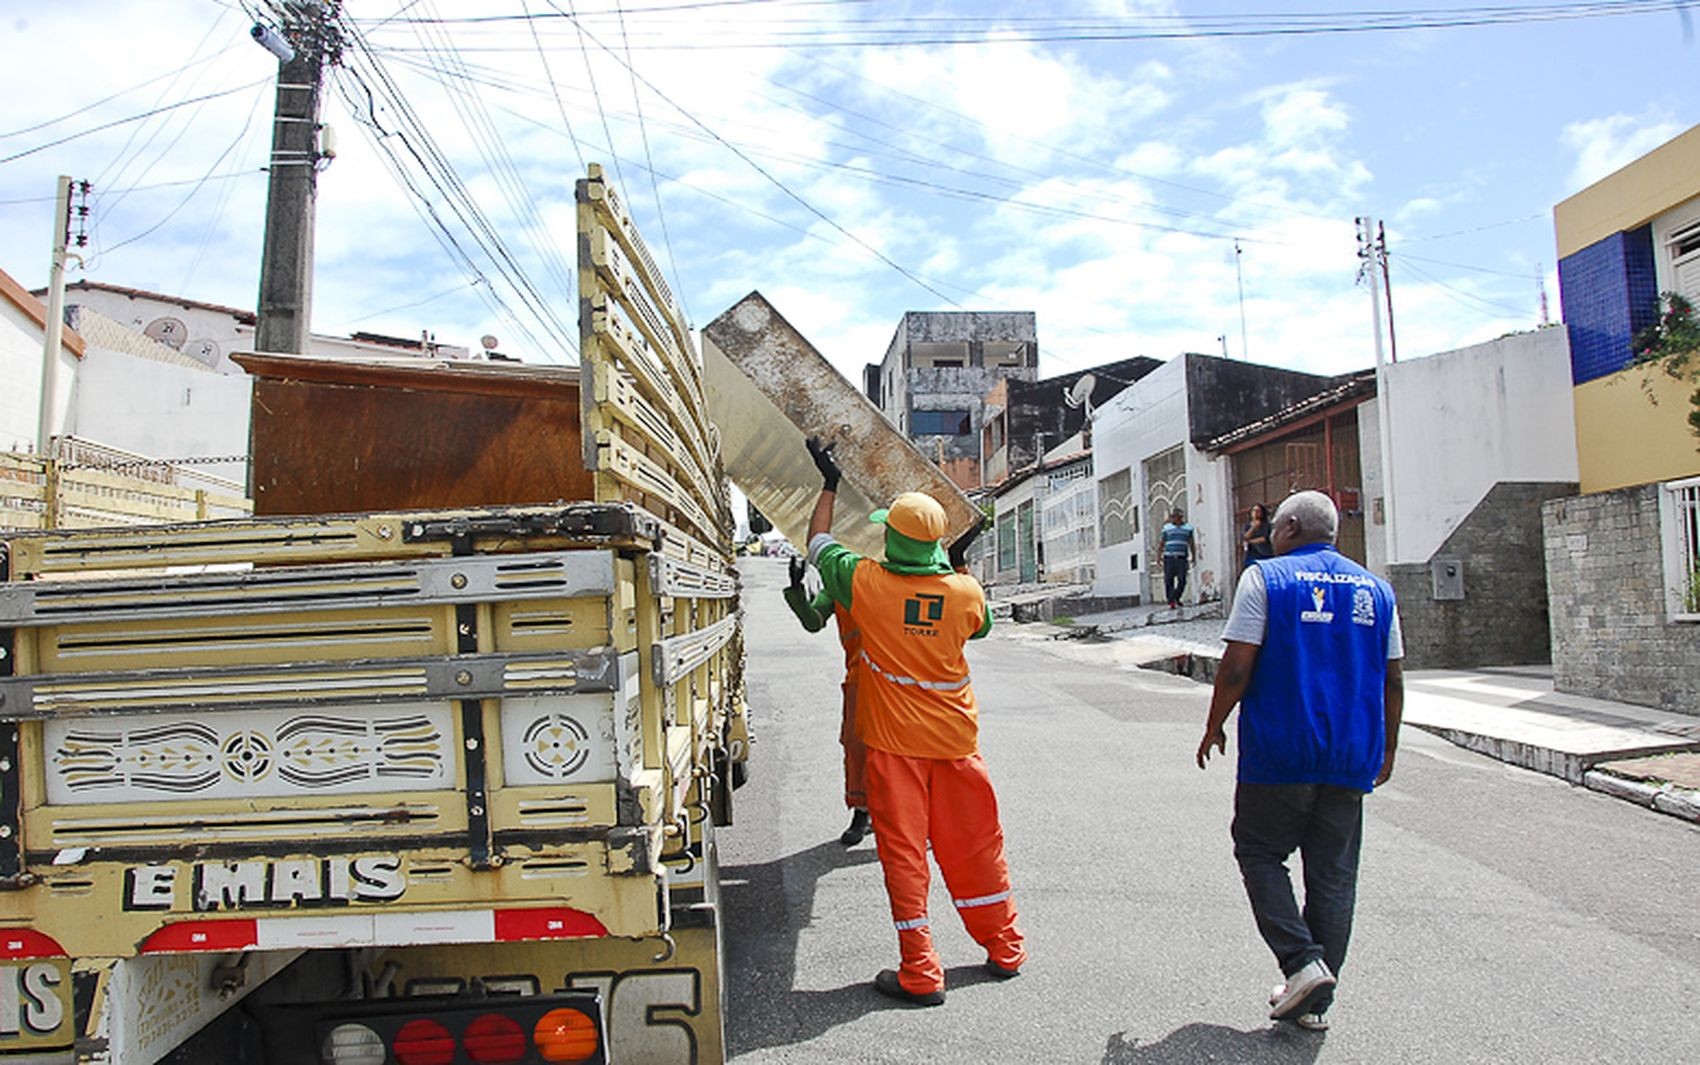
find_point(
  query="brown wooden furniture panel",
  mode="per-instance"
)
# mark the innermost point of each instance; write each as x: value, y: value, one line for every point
x: 338, y: 436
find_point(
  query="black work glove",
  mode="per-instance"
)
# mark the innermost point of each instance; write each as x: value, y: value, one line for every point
x: 959, y: 550
x: 822, y: 454
x: 798, y: 568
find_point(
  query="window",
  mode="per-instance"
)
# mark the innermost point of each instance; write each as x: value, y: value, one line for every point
x: 1679, y: 518
x: 1118, y: 518
x: 1684, y: 248
x: 1006, y: 542
x: 940, y: 423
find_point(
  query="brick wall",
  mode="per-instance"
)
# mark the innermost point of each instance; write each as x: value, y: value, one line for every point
x: 1605, y: 587
x: 1502, y: 619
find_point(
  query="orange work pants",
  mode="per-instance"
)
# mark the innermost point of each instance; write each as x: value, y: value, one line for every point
x: 950, y: 803
x: 855, y: 753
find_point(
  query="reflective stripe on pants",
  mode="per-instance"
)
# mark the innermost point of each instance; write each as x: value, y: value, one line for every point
x: 951, y: 803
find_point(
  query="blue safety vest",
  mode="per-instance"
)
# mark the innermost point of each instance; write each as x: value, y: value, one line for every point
x: 1313, y: 713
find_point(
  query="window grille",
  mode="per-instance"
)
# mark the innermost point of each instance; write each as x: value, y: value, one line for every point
x: 1679, y: 516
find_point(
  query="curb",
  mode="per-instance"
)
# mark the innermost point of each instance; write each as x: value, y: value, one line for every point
x: 1575, y: 769
x: 1665, y: 798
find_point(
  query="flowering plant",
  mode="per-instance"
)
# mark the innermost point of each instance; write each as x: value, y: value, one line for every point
x: 1673, y: 344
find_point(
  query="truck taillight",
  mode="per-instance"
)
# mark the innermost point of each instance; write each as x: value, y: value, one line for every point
x: 495, y: 1039
x: 423, y: 1042
x: 565, y: 1028
x: 355, y: 1044
x: 565, y: 1035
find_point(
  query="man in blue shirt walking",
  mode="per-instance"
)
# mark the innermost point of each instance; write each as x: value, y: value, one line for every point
x: 1314, y: 661
x: 1180, y: 550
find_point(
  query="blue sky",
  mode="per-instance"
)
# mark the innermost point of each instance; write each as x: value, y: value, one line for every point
x: 1099, y: 183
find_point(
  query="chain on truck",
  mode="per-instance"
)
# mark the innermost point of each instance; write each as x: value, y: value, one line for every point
x: 426, y: 786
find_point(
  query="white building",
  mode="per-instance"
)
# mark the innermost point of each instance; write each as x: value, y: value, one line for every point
x: 1147, y: 460
x: 22, y: 337
x: 210, y: 332
x: 1461, y: 422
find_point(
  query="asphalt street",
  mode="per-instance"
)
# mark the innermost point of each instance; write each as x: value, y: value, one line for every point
x: 1503, y: 916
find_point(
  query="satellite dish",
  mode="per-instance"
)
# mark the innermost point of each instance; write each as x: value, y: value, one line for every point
x: 168, y: 331
x: 1079, y: 394
x: 487, y: 342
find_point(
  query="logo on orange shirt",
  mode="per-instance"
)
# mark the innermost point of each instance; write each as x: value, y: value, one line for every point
x: 921, y: 613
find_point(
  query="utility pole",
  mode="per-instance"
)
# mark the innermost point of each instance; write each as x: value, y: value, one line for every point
x: 1372, y: 253
x: 306, y: 43
x: 55, y: 324
x: 1239, y: 278
x: 1387, y: 286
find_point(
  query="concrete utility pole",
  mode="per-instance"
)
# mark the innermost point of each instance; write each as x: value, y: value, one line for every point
x: 55, y: 324
x: 1239, y: 279
x: 1373, y: 273
x: 286, y: 266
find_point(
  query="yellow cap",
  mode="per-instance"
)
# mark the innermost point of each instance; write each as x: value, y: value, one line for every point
x: 916, y: 515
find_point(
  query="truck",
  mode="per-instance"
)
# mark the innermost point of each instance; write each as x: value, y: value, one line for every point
x: 421, y: 764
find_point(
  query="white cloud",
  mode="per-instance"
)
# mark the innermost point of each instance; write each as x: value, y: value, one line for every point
x: 1603, y: 145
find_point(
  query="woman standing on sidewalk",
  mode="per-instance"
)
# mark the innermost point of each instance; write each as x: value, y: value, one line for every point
x: 1256, y: 536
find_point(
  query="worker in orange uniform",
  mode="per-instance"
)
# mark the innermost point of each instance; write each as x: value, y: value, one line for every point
x: 926, y: 780
x: 813, y: 612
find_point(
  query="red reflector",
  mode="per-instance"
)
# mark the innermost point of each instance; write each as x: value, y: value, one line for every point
x: 28, y: 943
x: 559, y: 922
x: 235, y: 934
x: 494, y: 1039
x: 423, y: 1042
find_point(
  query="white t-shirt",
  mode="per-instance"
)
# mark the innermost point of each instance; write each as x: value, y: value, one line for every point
x: 1248, y: 622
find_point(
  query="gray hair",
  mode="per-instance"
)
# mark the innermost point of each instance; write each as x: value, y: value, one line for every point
x: 1316, y: 514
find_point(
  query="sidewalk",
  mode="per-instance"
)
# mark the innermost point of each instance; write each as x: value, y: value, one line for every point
x: 1647, y: 756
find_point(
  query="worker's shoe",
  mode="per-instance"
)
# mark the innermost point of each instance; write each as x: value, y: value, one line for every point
x: 1001, y: 972
x: 1290, y: 1000
x: 887, y: 984
x: 858, y: 830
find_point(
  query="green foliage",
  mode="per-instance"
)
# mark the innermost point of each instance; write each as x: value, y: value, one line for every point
x: 1691, y: 594
x: 1673, y: 344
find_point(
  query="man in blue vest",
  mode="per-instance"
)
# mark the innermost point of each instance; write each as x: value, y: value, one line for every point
x: 1314, y: 661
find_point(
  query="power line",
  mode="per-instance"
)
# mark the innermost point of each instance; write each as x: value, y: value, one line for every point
x: 780, y: 185
x: 184, y: 202
x: 462, y: 287
x: 362, y: 71
x: 649, y: 164
x: 254, y: 172
x: 554, y: 89
x: 1481, y: 301
x: 67, y: 116
x: 925, y: 31
x: 1524, y: 275
x: 131, y: 118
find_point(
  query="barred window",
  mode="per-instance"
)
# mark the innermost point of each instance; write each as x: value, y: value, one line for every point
x: 1679, y: 517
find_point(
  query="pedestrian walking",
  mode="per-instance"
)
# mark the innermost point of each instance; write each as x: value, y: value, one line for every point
x: 1180, y: 551
x: 1314, y: 662
x: 926, y: 781
x: 813, y: 612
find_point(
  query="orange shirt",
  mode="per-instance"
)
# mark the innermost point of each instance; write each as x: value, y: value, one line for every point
x: 915, y: 698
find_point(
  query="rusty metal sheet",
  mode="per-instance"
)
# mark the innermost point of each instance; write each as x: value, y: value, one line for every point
x: 768, y: 389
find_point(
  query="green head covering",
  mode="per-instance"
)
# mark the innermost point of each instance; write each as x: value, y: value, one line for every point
x: 911, y: 557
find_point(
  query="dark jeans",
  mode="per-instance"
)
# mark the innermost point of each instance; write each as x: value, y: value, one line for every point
x: 1325, y: 825
x: 1174, y: 577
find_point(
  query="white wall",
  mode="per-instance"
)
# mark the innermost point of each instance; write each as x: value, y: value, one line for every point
x: 210, y: 335
x: 21, y: 341
x: 1144, y: 419
x: 1210, y: 510
x: 163, y: 410
x: 1463, y: 421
